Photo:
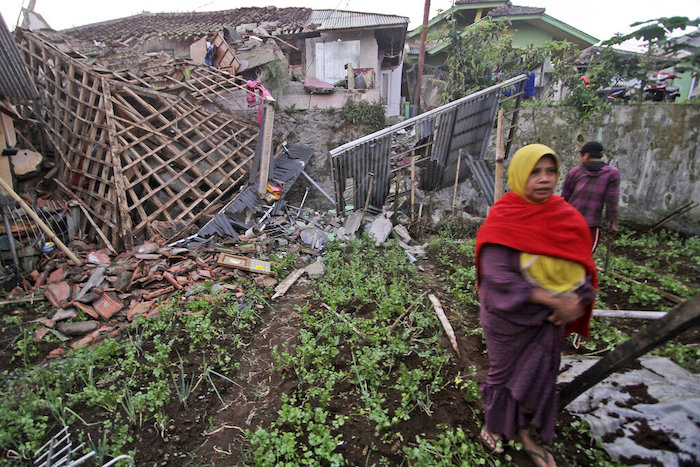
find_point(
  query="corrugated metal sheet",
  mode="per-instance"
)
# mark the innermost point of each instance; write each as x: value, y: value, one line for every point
x: 324, y: 20
x: 14, y: 81
x: 482, y: 171
x: 287, y: 167
x: 435, y: 138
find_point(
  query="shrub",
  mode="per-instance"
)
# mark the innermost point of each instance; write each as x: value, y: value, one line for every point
x: 370, y: 115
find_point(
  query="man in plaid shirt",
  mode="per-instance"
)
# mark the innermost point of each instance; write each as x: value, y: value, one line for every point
x: 592, y: 186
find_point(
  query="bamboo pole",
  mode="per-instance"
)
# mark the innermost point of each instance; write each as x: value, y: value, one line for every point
x: 369, y: 193
x: 500, y: 155
x: 413, y: 185
x: 39, y: 222
x: 454, y: 193
x: 629, y: 314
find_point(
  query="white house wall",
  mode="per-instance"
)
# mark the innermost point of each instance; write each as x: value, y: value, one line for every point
x: 367, y: 53
x: 327, y: 55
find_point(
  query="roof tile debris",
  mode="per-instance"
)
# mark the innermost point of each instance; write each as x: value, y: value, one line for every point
x: 105, y: 304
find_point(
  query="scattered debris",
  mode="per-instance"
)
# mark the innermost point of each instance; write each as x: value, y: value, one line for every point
x: 111, y: 290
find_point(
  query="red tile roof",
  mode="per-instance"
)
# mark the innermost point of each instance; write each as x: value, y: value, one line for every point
x: 190, y: 26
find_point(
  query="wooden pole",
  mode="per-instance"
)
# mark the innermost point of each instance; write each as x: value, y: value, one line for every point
x: 369, y: 194
x: 676, y: 321
x: 396, y: 195
x: 500, y: 155
x: 454, y: 193
x: 437, y: 306
x: 350, y: 77
x: 266, y: 154
x: 125, y: 229
x: 413, y: 185
x: 421, y: 56
x: 39, y: 222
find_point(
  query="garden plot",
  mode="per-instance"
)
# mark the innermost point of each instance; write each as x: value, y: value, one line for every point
x: 350, y: 368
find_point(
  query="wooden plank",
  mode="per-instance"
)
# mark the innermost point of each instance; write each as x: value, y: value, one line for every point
x: 681, y: 318
x: 125, y: 231
x: 266, y: 154
x: 500, y: 156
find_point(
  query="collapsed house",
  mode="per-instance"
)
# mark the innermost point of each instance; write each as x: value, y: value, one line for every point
x: 329, y: 55
x: 136, y: 146
x: 148, y: 153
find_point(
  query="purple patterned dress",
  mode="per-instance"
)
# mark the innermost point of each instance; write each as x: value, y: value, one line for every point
x: 524, y: 349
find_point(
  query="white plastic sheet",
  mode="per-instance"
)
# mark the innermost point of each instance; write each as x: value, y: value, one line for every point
x: 611, y: 410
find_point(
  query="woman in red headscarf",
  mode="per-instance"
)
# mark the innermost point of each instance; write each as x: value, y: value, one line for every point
x: 537, y: 283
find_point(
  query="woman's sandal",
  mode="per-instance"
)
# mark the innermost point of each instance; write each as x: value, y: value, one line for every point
x: 490, y: 442
x: 543, y: 456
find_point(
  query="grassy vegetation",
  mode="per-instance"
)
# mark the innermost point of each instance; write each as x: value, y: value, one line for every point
x: 369, y: 354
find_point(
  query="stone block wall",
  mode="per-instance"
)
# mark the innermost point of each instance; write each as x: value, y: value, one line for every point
x: 655, y: 146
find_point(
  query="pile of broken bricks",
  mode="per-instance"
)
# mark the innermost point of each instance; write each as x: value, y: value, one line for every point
x: 113, y: 290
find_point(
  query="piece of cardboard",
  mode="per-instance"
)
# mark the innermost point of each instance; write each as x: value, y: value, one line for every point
x: 244, y: 263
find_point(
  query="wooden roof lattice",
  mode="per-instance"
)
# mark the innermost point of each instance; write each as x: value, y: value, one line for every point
x: 139, y: 148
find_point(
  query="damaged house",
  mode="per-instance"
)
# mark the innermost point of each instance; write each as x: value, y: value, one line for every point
x: 329, y: 56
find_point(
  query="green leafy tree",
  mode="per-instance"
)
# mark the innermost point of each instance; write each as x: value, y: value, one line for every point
x: 474, y: 55
x: 483, y: 53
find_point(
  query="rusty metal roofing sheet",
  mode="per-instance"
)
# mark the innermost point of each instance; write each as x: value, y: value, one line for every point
x: 14, y: 81
x: 334, y: 19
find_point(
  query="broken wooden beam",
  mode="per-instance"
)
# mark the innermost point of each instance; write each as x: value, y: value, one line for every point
x: 437, y: 306
x: 42, y: 225
x: 282, y: 288
x: 680, y: 319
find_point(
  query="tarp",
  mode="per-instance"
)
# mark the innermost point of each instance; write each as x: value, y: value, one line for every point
x: 659, y: 399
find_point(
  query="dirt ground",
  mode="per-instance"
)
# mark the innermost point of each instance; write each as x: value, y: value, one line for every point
x: 204, y: 433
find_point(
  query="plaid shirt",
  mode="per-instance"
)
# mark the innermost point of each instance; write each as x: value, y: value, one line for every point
x: 590, y: 187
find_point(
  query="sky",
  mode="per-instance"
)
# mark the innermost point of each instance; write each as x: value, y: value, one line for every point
x: 598, y: 18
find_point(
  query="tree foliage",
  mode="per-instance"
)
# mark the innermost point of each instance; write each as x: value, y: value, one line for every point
x: 483, y: 54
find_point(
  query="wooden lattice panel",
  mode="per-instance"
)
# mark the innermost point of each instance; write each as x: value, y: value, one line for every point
x: 135, y: 155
